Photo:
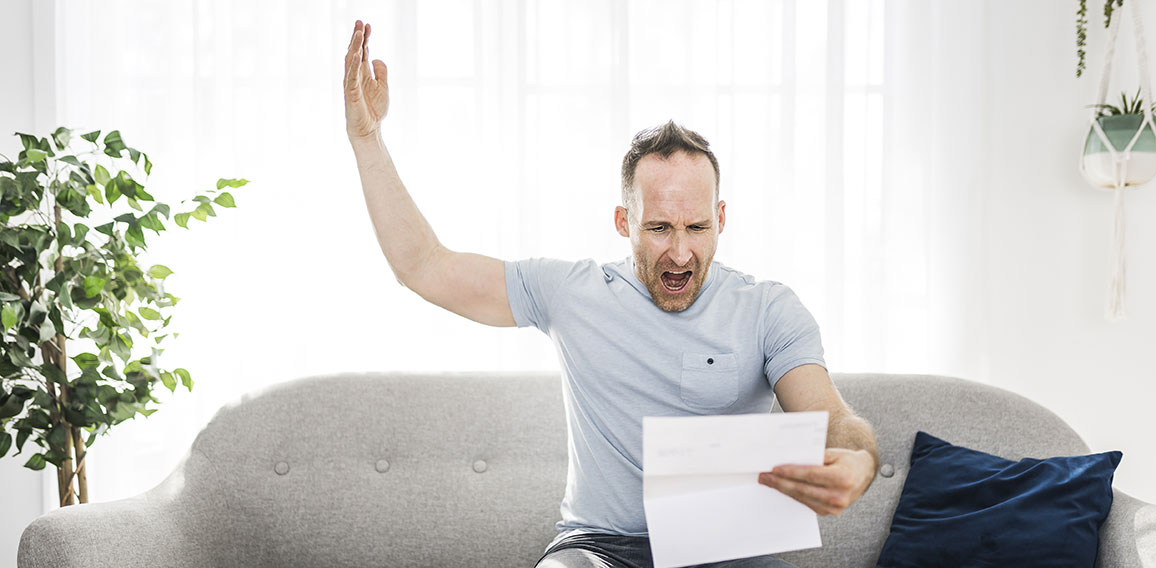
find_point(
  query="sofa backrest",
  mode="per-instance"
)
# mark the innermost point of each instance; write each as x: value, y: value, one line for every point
x: 385, y: 470
x: 470, y: 469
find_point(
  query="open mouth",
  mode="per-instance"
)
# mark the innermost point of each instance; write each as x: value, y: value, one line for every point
x: 675, y: 282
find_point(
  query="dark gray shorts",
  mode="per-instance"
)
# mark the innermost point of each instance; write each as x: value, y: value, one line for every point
x: 593, y: 550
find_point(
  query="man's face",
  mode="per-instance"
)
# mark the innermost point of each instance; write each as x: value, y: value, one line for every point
x: 673, y: 227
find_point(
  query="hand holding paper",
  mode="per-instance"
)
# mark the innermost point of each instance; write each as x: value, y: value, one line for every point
x: 829, y: 489
x: 701, y: 486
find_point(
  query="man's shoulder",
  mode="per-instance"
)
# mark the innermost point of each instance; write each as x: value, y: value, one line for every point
x: 769, y: 294
x: 733, y: 278
x: 569, y: 271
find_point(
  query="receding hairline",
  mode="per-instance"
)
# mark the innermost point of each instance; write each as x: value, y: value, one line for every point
x: 636, y: 196
x: 664, y: 141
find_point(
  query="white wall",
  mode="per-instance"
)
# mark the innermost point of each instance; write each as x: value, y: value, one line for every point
x: 22, y: 488
x: 1045, y: 238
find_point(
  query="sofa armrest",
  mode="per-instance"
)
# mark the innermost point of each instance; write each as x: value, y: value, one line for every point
x: 141, y: 531
x: 1128, y: 536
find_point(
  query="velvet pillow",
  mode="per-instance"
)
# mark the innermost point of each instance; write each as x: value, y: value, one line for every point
x: 962, y: 507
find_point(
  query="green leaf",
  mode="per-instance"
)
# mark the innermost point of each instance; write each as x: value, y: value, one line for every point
x: 91, y: 136
x: 112, y: 190
x: 221, y: 183
x: 135, y: 236
x: 113, y: 144
x: 169, y: 381
x: 122, y: 347
x: 86, y: 360
x: 225, y: 200
x: 150, y: 221
x: 12, y: 405
x: 58, y: 436
x: 62, y: 137
x: 150, y: 314
x: 207, y: 211
x: 148, y: 166
x: 93, y: 285
x: 161, y: 208
x: 105, y: 228
x: 123, y: 411
x: 134, y: 204
x: 186, y: 378
x: 22, y: 435
x: 182, y: 219
x: 10, y: 314
x: 71, y: 160
x: 5, y: 443
x: 53, y: 373
x: 34, y: 155
x: 80, y: 231
x: 100, y: 174
x: 94, y: 192
x: 63, y: 233
x: 35, y: 462
x: 20, y: 358
x: 160, y: 271
x: 28, y: 141
x: 6, y: 297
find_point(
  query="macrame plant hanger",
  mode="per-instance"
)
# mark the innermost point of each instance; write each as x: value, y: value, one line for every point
x: 1114, y: 177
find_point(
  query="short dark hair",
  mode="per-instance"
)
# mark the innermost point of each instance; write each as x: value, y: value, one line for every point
x: 663, y: 140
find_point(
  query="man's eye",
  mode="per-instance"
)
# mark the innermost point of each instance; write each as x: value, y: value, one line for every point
x: 656, y: 229
x: 697, y: 228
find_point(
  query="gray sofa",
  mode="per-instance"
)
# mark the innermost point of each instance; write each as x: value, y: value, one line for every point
x: 469, y: 470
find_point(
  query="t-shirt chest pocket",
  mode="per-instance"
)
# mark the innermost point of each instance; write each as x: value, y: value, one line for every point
x: 709, y: 380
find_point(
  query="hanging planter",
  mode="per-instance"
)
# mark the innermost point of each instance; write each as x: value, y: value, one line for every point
x: 1120, y: 148
x: 1120, y: 125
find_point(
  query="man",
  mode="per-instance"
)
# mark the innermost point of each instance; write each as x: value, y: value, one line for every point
x: 665, y: 332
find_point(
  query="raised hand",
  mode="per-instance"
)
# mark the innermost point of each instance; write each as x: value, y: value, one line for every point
x: 366, y: 90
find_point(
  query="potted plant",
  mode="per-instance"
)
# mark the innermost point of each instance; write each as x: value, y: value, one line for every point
x: 1120, y: 124
x: 72, y: 230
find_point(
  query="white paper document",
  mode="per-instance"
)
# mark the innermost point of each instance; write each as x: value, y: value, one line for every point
x: 701, y: 491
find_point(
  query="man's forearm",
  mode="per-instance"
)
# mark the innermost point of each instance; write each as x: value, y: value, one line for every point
x: 405, y: 237
x: 848, y: 430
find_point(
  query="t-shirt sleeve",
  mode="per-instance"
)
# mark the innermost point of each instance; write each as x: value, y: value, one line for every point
x: 790, y: 334
x: 531, y: 286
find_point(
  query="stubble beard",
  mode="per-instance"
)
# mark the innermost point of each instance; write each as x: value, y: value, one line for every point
x: 651, y: 276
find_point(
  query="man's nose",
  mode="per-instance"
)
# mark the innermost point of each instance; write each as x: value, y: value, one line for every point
x: 680, y: 249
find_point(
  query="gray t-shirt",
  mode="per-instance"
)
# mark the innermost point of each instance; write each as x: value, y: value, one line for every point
x: 623, y: 358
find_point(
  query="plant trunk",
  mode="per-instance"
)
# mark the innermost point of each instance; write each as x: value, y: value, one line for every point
x: 74, y: 442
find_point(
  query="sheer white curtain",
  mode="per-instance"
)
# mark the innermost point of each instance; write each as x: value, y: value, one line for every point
x: 834, y: 123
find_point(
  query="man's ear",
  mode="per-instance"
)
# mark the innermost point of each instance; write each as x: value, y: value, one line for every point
x: 622, y: 221
x: 722, y: 215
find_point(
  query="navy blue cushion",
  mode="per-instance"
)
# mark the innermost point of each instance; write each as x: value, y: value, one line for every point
x: 962, y: 507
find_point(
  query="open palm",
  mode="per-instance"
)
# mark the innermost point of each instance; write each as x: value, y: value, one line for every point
x: 366, y: 90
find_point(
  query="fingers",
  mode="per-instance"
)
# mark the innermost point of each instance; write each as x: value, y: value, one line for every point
x: 353, y: 70
x: 380, y: 72
x: 353, y: 39
x: 827, y: 489
x: 822, y: 500
x: 367, y: 74
x: 353, y: 59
